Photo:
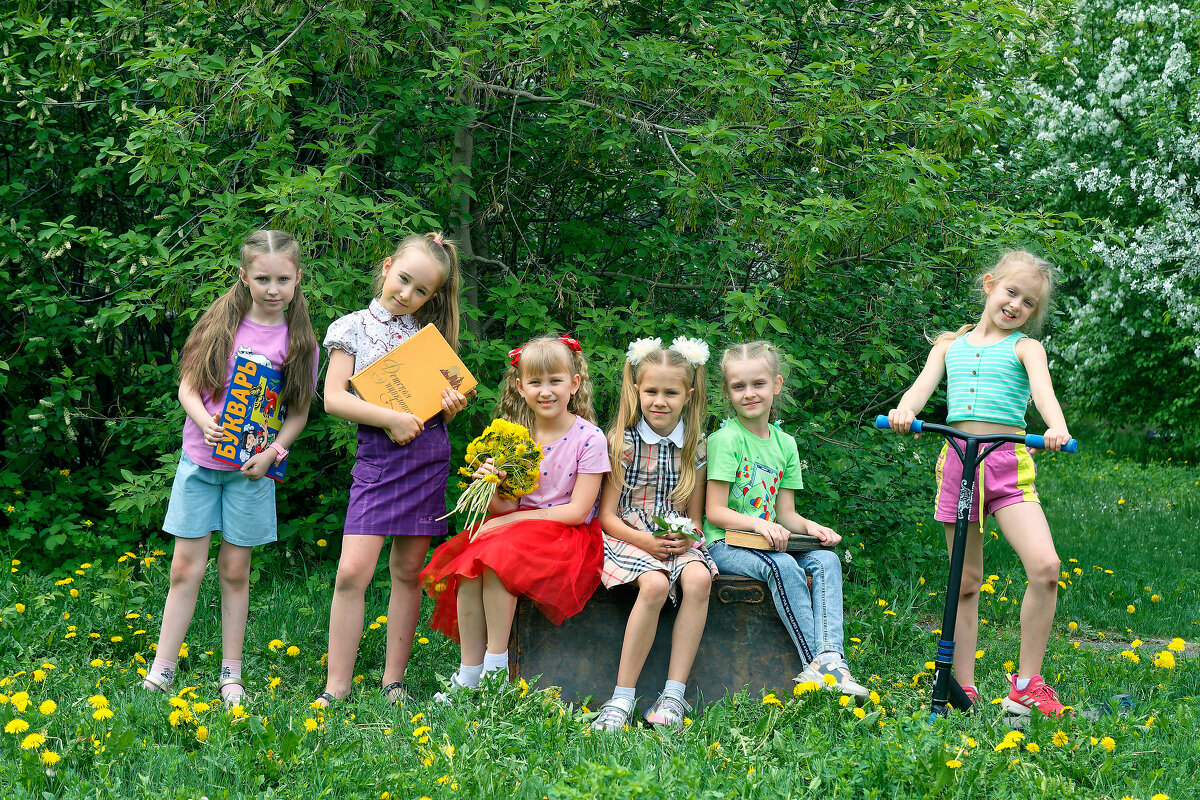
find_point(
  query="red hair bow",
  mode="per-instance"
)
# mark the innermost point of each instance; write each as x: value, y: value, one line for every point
x: 514, y: 356
x: 573, y: 344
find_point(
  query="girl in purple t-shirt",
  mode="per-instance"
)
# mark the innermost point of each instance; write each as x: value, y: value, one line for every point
x: 546, y: 545
x: 263, y: 316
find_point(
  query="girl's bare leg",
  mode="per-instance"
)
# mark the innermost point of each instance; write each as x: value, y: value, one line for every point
x: 696, y: 583
x: 233, y: 570
x: 1024, y: 526
x: 472, y: 623
x: 188, y: 563
x: 499, y: 606
x: 404, y: 605
x: 356, y: 568
x: 642, y: 625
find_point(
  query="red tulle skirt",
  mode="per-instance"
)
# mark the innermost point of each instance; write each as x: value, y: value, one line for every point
x: 557, y: 566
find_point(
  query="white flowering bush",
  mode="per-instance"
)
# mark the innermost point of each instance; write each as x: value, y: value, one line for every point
x: 1115, y: 137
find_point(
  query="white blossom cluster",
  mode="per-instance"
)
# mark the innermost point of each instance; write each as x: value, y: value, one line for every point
x: 1142, y: 58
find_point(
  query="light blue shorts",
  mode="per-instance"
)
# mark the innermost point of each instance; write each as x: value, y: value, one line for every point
x: 204, y: 500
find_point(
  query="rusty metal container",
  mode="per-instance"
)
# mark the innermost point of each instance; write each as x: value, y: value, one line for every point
x: 744, y: 644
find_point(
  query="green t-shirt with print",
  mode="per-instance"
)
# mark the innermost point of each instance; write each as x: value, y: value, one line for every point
x: 756, y: 469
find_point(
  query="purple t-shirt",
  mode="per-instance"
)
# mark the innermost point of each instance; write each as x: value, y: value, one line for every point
x: 583, y: 449
x: 265, y: 344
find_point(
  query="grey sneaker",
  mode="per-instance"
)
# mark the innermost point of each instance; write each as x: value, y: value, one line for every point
x: 669, y: 711
x: 843, y: 681
x: 613, y: 717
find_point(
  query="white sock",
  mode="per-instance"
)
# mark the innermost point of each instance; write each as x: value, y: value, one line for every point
x: 1022, y: 683
x: 230, y: 669
x: 469, y: 675
x: 164, y: 669
x: 829, y: 656
x: 624, y: 696
x: 495, y: 661
x: 674, y: 688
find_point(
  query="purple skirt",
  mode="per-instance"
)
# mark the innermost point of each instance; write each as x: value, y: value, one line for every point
x: 399, y: 490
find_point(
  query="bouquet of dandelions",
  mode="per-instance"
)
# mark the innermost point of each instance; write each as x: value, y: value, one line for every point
x: 512, y: 451
x: 678, y: 524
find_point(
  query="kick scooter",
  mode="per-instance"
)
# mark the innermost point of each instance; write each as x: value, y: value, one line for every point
x: 946, y: 690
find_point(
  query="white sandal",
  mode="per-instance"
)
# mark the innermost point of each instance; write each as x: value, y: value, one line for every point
x: 234, y: 698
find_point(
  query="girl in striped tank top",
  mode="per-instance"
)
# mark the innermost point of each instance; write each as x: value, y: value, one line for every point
x: 992, y: 369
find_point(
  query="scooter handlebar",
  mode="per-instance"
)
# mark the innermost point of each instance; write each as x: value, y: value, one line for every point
x: 1031, y: 440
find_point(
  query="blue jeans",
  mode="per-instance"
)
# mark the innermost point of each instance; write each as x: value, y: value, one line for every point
x: 813, y: 621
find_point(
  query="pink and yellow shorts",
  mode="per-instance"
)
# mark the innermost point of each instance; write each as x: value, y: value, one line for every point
x: 1004, y: 478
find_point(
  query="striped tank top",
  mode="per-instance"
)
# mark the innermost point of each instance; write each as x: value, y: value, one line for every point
x: 987, y: 384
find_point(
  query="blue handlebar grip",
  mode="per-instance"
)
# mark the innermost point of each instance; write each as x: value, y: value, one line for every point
x: 881, y: 422
x: 1039, y: 443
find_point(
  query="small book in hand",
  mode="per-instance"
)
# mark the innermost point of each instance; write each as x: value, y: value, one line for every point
x: 797, y: 542
x: 411, y: 376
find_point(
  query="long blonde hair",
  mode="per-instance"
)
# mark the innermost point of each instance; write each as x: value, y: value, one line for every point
x: 542, y: 356
x: 442, y: 308
x: 759, y: 350
x: 205, y: 358
x: 1012, y: 263
x: 628, y: 413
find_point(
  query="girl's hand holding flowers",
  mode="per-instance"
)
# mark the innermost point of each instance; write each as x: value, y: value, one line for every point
x: 676, y: 534
x: 502, y: 461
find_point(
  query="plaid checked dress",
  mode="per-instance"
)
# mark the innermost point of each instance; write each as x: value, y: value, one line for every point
x: 651, y: 472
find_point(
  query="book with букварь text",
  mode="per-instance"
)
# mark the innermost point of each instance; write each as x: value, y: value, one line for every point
x: 251, y: 415
x: 411, y: 376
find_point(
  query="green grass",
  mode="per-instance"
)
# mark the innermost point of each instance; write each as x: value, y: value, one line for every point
x: 528, y: 744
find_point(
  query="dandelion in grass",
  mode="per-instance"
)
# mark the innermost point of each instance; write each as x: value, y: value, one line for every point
x: 321, y: 542
x: 1032, y: 747
x: 20, y: 701
x: 293, y: 651
x: 47, y: 708
x: 201, y: 734
x: 20, y: 607
x: 274, y: 645
x: 49, y: 757
x: 33, y: 741
x: 1108, y: 744
x: 954, y: 763
x: 16, y: 726
x: 772, y: 700
x: 310, y: 724
x: 1177, y: 645
x: 514, y: 452
x: 1160, y: 796
x: 101, y: 714
x: 98, y: 701
x: 858, y: 712
x: 804, y: 687
x: 1130, y: 609
x: 1165, y: 659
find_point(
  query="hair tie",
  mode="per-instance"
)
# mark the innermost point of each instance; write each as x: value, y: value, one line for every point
x: 640, y: 348
x: 514, y: 355
x: 694, y: 350
x: 437, y: 238
x: 572, y: 344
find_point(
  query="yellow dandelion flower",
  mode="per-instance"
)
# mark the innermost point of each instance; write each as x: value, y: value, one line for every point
x: 98, y: 701
x: 1177, y: 645
x: 20, y: 607
x: 202, y: 734
x: 293, y: 651
x: 1130, y: 609
x: 321, y: 542
x: 1032, y: 747
x: 49, y: 757
x: 772, y: 700
x: 858, y: 712
x: 20, y: 701
x: 200, y: 708
x: 310, y: 724
x: 954, y: 763
x: 1165, y: 659
x: 804, y: 687
x: 843, y: 701
x: 1108, y: 744
x: 1160, y: 796
x: 274, y: 645
x: 102, y: 714
x: 16, y: 726
x: 1072, y: 625
x: 47, y: 707
x: 33, y: 741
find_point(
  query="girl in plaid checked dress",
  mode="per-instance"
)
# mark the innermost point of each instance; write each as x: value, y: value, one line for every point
x: 658, y: 459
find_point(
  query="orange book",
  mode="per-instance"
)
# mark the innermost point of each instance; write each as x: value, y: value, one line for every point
x: 411, y: 376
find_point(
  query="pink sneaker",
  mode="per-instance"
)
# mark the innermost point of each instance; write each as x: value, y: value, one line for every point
x: 972, y: 694
x: 1038, y: 694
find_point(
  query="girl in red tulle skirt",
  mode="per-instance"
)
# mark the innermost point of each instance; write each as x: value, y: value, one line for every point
x: 545, y: 546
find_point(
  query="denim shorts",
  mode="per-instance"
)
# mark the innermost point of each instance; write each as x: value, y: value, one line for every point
x: 204, y: 500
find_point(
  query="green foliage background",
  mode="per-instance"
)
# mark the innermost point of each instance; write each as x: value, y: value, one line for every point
x: 826, y: 177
